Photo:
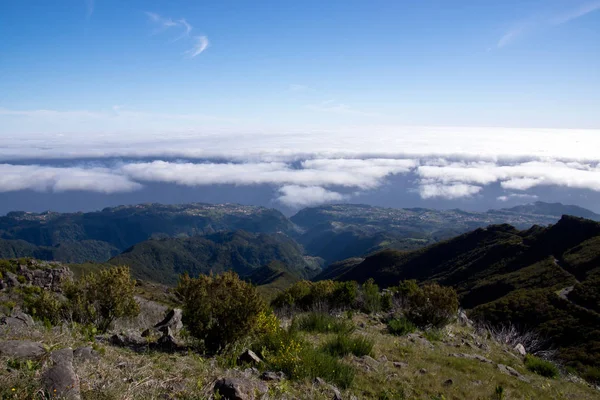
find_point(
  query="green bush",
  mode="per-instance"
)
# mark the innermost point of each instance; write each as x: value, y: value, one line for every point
x: 46, y: 306
x: 400, y: 326
x: 294, y: 296
x: 434, y: 335
x: 371, y: 296
x: 100, y: 298
x: 322, y: 323
x: 541, y: 367
x: 219, y: 310
x: 343, y: 344
x: 344, y: 294
x: 432, y: 305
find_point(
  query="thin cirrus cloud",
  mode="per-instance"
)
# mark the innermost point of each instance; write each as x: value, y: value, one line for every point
x: 310, y: 168
x: 200, y: 43
x: 556, y: 19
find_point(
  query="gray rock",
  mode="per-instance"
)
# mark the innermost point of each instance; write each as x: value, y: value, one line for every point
x: 167, y: 341
x: 21, y: 316
x: 250, y: 357
x: 23, y: 349
x: 416, y: 338
x: 463, y: 319
x: 239, y: 388
x: 448, y: 382
x: 336, y: 393
x: 319, y: 381
x: 399, y: 364
x: 128, y: 339
x: 505, y: 369
x: 370, y: 361
x: 272, y: 376
x: 62, y: 381
x: 519, y: 348
x: 85, y: 354
x: 472, y: 357
x: 422, y: 371
x: 62, y: 356
x: 173, y: 320
x: 11, y: 279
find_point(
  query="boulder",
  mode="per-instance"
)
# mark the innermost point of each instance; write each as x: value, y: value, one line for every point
x: 131, y: 339
x: 400, y: 364
x: 519, y: 348
x: 62, y: 356
x: 417, y: 338
x: 61, y: 379
x: 250, y: 357
x: 167, y: 341
x: 463, y: 319
x: 239, y: 388
x: 173, y: 320
x: 23, y: 349
x: 272, y: 376
x: 85, y: 354
x: 11, y: 279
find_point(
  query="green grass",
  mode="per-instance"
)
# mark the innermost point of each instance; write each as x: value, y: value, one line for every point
x: 400, y: 326
x: 342, y: 345
x: 434, y: 335
x: 541, y: 367
x: 321, y: 323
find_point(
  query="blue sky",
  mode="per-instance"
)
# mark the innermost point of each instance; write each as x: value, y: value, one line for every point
x: 310, y: 63
x: 465, y: 103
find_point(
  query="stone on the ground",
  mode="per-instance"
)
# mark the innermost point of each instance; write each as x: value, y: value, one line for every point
x: 85, y: 354
x: 463, y: 319
x: 519, y: 348
x: 62, y: 356
x: 505, y: 369
x: 422, y: 371
x: 417, y: 338
x: 370, y: 361
x: 128, y: 339
x: 248, y: 356
x: 336, y: 393
x: 23, y: 349
x: 17, y: 320
x: 239, y: 388
x: 272, y: 376
x: 400, y: 364
x: 472, y: 357
x: 167, y: 341
x: 448, y: 382
x: 62, y: 381
x: 172, y: 320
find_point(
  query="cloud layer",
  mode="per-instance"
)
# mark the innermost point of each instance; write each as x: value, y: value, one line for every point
x: 309, y: 168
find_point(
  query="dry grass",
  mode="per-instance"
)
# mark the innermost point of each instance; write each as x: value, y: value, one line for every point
x: 124, y: 374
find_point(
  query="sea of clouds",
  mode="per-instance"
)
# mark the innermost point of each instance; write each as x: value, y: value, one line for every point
x: 308, y: 168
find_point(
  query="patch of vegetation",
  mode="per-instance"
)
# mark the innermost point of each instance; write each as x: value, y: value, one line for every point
x: 322, y: 323
x: 400, y: 326
x: 219, y: 310
x: 344, y: 344
x: 541, y: 367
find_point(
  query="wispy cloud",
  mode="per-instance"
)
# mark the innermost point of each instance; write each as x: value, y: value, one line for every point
x: 89, y: 8
x: 555, y: 19
x: 200, y: 45
x: 332, y: 106
x: 165, y: 23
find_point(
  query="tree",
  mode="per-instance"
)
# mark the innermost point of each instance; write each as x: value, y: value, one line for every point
x: 433, y: 305
x: 219, y: 309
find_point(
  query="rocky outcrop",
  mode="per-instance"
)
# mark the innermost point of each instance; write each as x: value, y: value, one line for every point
x: 22, y: 349
x: 505, y: 369
x: 249, y: 357
x: 46, y: 275
x: 17, y: 320
x: 172, y: 320
x: 519, y: 348
x: 239, y: 388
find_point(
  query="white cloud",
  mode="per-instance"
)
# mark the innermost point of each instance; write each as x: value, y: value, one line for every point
x: 575, y: 13
x: 303, y: 196
x: 453, y: 191
x: 200, y: 45
x: 54, y: 179
x: 520, y: 196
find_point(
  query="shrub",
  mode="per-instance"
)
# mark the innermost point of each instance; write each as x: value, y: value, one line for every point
x: 100, y: 298
x: 432, y: 305
x: 46, y: 306
x: 387, y: 301
x: 322, y: 323
x: 371, y: 296
x: 344, y: 295
x: 294, y: 296
x: 434, y: 335
x: 541, y: 367
x: 344, y: 344
x: 221, y: 309
x: 401, y: 326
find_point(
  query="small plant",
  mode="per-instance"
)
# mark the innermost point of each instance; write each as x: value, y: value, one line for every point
x: 371, y: 297
x: 343, y: 345
x: 433, y: 335
x: 22, y: 280
x: 401, y: 326
x: 322, y: 323
x: 541, y: 367
x: 499, y: 393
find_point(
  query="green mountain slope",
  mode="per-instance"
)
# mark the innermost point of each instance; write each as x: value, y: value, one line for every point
x: 121, y: 227
x: 544, y: 279
x: 162, y: 260
x: 69, y: 252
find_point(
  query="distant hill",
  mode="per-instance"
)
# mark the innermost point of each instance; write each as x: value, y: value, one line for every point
x: 339, y: 231
x: 163, y: 260
x: 115, y: 229
x: 68, y: 252
x: 543, y: 278
x: 555, y: 209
